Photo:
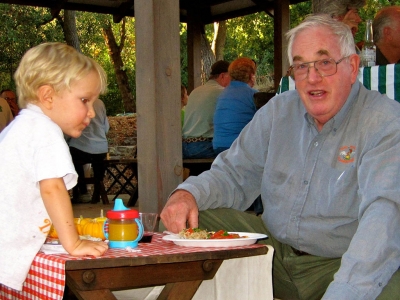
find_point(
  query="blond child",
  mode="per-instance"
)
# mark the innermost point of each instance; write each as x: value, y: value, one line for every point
x: 56, y: 87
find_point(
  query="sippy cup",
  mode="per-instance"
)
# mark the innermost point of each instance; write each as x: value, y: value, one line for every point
x: 123, y: 227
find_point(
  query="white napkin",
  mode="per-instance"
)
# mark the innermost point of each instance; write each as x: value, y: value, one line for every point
x: 53, y: 246
x: 53, y: 249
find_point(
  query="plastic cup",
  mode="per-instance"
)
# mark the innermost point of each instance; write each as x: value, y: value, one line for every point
x: 149, y: 221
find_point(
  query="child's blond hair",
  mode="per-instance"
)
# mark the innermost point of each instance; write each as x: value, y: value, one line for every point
x: 55, y: 64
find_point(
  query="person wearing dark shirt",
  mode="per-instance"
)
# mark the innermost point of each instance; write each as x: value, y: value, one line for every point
x: 386, y: 28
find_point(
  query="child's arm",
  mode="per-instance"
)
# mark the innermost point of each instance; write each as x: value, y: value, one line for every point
x: 58, y: 205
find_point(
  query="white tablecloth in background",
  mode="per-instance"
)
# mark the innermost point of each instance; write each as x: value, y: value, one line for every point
x: 248, y: 278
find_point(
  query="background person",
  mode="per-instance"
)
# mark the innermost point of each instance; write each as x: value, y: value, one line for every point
x: 91, y: 147
x: 5, y: 114
x: 329, y: 176
x: 235, y: 105
x: 56, y: 86
x: 386, y: 28
x: 198, y: 127
x: 345, y: 11
x: 11, y: 99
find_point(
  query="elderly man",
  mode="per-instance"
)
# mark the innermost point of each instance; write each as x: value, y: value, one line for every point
x: 386, y: 27
x: 326, y: 159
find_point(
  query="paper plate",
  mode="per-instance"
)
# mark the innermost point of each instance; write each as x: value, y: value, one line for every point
x: 247, y: 239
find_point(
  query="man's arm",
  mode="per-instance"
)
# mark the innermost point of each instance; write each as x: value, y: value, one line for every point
x: 180, y: 212
x: 373, y: 255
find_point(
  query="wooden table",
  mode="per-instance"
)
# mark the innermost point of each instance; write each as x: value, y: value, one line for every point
x: 180, y: 269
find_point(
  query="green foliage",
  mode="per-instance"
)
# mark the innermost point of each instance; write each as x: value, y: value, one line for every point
x: 24, y: 27
x: 298, y: 12
x: 29, y: 26
x: 250, y: 36
x: 183, y: 48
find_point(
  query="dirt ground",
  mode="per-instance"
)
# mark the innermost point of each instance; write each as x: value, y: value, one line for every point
x: 122, y: 131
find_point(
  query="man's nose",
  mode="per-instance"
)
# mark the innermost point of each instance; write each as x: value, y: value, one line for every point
x: 313, y: 73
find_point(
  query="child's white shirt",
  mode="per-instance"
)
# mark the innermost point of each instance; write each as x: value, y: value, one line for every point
x: 32, y: 148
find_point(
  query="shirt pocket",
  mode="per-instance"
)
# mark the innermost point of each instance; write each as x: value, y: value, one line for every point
x: 341, y: 199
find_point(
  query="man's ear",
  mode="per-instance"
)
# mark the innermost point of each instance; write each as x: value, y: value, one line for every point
x: 355, y: 65
x: 387, y: 33
x: 45, y: 96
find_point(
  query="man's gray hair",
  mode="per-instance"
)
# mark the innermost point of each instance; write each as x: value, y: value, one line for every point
x: 336, y: 8
x: 341, y: 30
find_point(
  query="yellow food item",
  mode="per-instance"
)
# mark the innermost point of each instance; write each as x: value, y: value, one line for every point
x: 53, y: 233
x: 80, y: 223
x: 101, y: 218
x: 94, y: 228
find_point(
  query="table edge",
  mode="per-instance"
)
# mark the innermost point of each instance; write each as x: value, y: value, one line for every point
x: 164, y: 258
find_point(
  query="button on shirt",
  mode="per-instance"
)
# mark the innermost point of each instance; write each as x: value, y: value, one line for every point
x: 333, y: 193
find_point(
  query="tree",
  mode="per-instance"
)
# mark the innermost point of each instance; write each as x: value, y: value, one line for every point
x: 218, y: 43
x: 115, y: 54
x: 69, y: 28
x: 207, y: 58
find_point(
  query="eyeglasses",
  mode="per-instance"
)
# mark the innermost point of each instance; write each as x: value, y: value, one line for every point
x: 324, y: 67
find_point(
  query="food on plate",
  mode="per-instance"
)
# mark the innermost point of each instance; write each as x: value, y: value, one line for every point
x: 202, y: 234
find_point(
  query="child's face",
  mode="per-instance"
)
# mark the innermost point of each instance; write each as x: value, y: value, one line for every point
x: 73, y: 109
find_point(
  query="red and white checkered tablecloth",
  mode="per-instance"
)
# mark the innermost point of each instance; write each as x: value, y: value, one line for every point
x: 46, y: 277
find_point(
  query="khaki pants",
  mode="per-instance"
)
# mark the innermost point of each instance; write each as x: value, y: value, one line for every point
x: 294, y: 277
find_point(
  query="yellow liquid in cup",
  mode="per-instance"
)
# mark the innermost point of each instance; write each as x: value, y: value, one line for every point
x: 122, y: 232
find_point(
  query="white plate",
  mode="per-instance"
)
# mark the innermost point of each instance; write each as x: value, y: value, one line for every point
x: 250, y: 239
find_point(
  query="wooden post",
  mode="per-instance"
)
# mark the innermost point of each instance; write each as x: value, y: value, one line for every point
x: 194, y: 30
x: 281, y: 26
x: 158, y: 101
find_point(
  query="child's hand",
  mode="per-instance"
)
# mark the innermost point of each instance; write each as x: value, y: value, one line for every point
x: 86, y: 247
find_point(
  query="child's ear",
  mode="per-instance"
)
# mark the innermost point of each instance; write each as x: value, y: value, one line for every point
x: 45, y: 95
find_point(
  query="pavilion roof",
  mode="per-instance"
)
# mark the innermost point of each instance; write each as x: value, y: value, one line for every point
x: 207, y: 11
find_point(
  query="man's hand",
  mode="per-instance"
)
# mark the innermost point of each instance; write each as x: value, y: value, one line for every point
x: 180, y: 208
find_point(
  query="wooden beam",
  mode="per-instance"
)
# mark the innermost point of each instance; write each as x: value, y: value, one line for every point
x: 158, y: 101
x: 125, y: 6
x: 267, y: 7
x: 96, y: 8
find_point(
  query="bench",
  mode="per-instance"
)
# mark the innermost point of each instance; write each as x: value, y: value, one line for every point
x: 123, y: 181
x: 197, y: 165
